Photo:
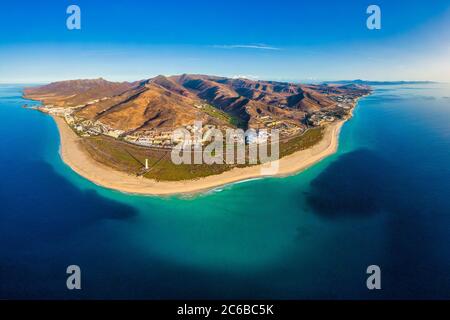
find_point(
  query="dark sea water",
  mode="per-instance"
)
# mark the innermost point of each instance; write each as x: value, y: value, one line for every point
x: 383, y: 198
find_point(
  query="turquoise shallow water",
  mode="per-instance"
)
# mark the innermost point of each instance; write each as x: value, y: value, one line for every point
x: 382, y: 199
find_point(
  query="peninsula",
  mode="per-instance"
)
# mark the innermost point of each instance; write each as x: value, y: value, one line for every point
x: 119, y: 135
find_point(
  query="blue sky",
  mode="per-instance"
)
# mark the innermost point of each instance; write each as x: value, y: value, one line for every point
x: 279, y: 40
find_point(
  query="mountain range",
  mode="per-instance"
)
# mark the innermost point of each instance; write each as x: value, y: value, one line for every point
x: 378, y: 83
x: 167, y: 102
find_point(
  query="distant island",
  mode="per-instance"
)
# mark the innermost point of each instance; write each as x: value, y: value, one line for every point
x: 377, y: 83
x: 118, y: 134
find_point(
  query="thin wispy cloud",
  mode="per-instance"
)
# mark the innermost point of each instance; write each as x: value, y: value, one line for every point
x: 246, y: 46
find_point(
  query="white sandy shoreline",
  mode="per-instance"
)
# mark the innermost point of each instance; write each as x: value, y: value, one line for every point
x: 75, y: 157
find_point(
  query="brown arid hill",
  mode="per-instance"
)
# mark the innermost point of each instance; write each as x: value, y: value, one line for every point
x: 162, y: 102
x: 148, y: 106
x: 76, y: 92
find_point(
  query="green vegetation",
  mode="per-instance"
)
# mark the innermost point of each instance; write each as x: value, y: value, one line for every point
x: 126, y: 157
x: 168, y: 171
x: 238, y: 122
x: 221, y: 115
x: 130, y: 158
x: 306, y: 140
x: 216, y: 113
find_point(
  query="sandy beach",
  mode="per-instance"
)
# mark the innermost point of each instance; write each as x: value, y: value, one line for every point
x: 81, y: 162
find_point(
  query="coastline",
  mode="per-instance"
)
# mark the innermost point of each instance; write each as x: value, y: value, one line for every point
x: 79, y: 161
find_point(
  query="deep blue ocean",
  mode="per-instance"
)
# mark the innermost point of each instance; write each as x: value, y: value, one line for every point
x: 383, y: 199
